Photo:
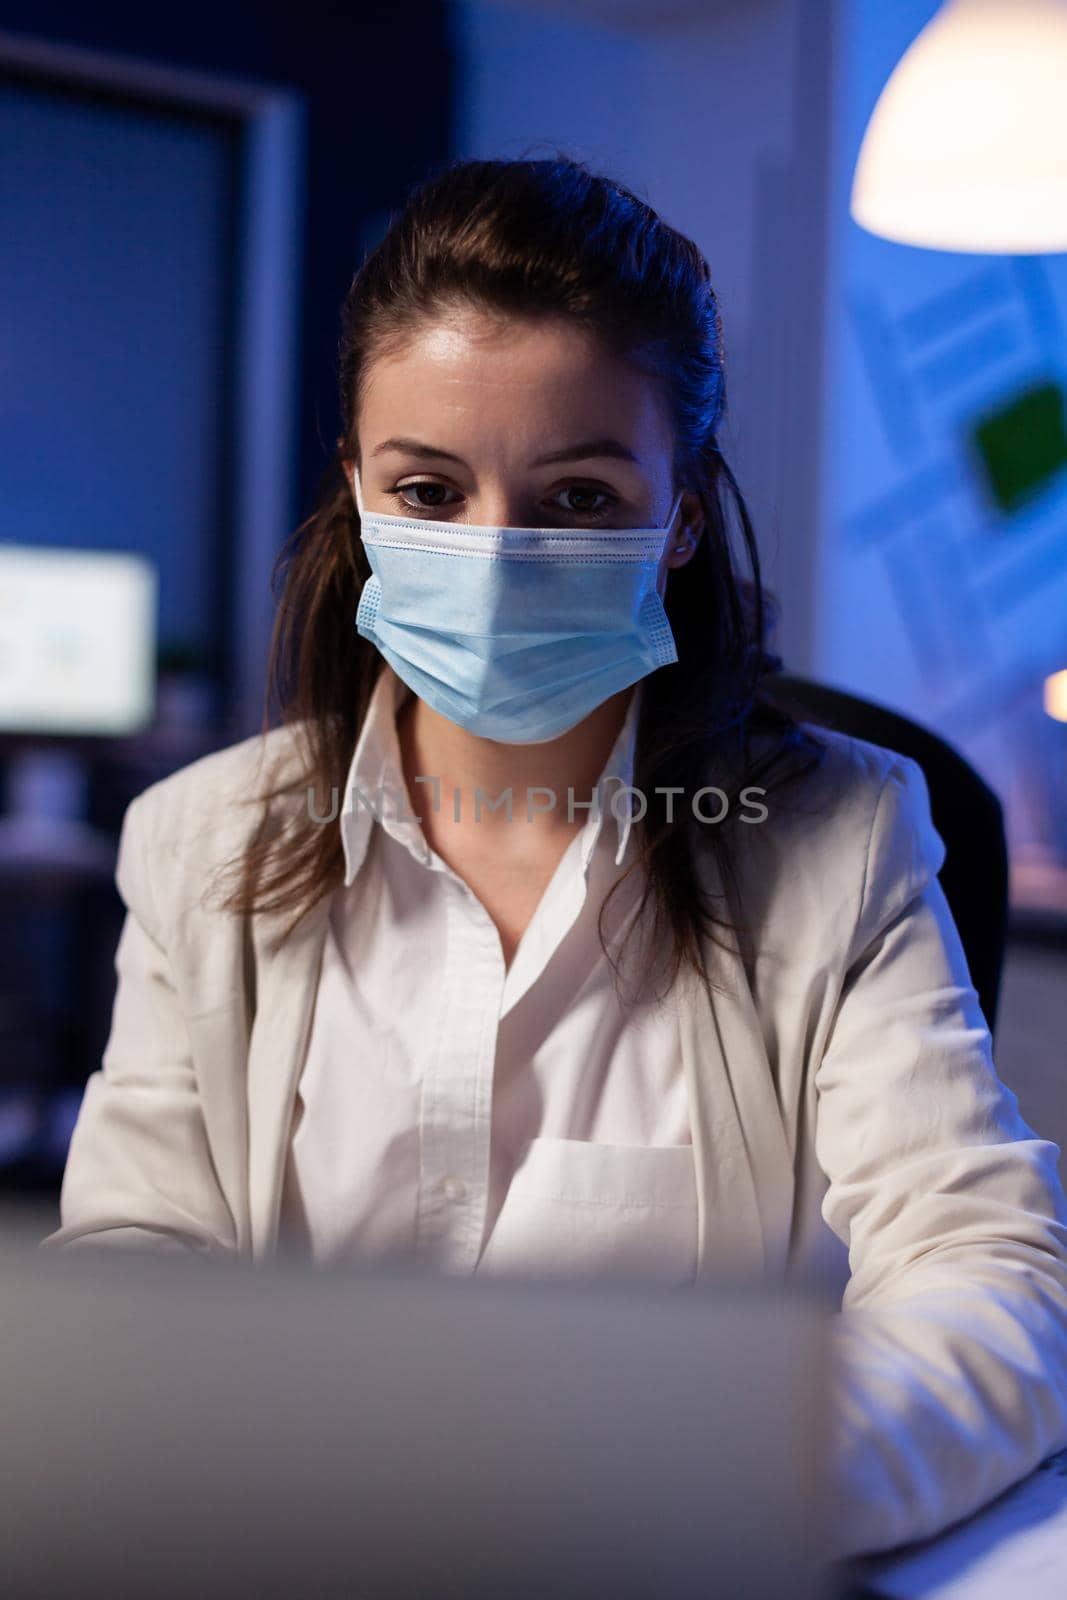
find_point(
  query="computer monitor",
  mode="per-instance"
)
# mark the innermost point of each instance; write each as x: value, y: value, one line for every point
x: 77, y: 663
x: 77, y: 641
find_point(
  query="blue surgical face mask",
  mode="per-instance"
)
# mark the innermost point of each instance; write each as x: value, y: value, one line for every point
x: 516, y: 634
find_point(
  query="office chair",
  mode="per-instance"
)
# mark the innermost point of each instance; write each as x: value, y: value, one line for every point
x: 966, y: 813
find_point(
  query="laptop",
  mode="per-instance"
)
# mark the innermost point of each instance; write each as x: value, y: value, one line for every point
x: 193, y: 1427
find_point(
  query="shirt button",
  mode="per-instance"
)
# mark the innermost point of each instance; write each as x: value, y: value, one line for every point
x: 454, y: 1188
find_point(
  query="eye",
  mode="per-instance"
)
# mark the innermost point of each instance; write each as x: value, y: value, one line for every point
x: 419, y: 486
x: 425, y: 496
x: 585, y: 492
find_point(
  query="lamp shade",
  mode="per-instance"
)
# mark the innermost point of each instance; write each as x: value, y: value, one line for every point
x: 966, y: 148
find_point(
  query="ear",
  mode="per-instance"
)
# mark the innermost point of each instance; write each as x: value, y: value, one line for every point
x: 688, y: 530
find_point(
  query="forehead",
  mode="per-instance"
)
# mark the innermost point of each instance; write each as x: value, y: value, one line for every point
x: 529, y: 379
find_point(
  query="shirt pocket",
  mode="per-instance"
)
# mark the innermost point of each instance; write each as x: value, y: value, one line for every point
x: 580, y: 1209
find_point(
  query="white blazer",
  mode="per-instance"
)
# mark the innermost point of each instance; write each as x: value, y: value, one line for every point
x: 850, y: 1132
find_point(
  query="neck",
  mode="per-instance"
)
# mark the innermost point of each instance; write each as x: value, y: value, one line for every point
x: 433, y: 747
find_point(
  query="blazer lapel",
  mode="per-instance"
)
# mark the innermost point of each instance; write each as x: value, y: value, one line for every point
x: 744, y: 1173
x: 287, y: 976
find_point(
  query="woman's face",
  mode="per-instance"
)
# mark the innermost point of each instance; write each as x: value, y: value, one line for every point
x: 460, y: 426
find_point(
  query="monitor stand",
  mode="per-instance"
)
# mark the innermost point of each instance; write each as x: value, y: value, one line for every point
x: 44, y: 828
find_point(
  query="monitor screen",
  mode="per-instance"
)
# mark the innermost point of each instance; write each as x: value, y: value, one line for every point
x: 77, y: 641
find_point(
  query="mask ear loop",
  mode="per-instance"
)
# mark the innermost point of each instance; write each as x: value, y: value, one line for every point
x: 673, y: 513
x: 356, y: 489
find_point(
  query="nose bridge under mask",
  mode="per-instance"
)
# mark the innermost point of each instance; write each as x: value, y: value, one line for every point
x: 358, y: 491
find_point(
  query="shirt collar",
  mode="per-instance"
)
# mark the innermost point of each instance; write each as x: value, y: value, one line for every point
x: 616, y: 774
x: 374, y: 773
x: 375, y: 786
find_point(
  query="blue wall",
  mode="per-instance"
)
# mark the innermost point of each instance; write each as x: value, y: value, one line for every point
x: 377, y: 78
x: 114, y: 282
x: 936, y: 598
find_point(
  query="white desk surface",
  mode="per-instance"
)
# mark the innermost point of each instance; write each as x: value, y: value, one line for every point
x: 1016, y: 1545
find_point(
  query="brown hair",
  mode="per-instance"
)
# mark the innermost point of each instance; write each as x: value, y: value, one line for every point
x: 527, y: 238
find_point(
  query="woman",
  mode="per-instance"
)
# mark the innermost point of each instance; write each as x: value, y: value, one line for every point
x: 696, y: 1003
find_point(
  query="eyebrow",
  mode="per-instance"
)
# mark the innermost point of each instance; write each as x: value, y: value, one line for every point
x: 588, y: 450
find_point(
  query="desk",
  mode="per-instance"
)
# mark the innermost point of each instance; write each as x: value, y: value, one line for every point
x: 1016, y: 1545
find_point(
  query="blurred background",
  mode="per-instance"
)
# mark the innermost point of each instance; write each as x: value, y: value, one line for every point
x: 184, y: 197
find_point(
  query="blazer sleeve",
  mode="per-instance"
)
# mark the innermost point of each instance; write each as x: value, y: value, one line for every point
x: 139, y: 1171
x: 949, y: 1369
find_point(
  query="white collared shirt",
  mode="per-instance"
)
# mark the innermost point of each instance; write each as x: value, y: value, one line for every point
x: 454, y: 1115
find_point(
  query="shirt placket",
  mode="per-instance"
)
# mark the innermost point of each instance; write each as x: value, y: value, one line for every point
x: 456, y: 1103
